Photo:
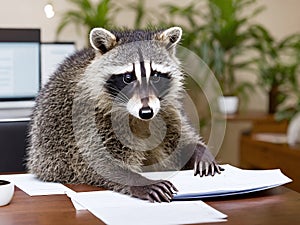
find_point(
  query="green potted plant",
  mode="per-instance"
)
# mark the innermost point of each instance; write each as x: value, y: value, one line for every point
x: 278, y: 68
x: 289, y: 110
x: 278, y: 73
x: 226, y: 41
x: 291, y: 113
x: 222, y: 40
x: 87, y: 14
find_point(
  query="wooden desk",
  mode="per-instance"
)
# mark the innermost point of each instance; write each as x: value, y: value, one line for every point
x: 276, y: 206
x: 255, y: 154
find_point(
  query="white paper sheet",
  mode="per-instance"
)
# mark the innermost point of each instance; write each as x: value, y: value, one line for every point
x: 277, y: 138
x: 76, y: 205
x: 32, y: 186
x: 231, y: 181
x: 113, y: 208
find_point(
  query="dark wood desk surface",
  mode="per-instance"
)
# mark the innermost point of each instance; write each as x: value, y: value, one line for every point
x: 276, y: 206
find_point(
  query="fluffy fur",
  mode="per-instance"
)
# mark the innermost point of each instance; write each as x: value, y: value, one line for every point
x: 78, y: 132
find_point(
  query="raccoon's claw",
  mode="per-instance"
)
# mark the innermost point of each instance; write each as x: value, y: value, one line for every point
x: 158, y: 191
x: 204, y: 163
x: 206, y: 168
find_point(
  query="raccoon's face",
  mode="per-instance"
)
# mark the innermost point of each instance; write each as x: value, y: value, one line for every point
x: 142, y: 73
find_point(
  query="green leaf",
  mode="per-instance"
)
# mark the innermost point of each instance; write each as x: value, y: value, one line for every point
x: 87, y: 14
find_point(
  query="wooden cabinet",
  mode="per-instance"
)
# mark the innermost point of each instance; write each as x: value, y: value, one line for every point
x: 257, y: 154
x: 261, y: 122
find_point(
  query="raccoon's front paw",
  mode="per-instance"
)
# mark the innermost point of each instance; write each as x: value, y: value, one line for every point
x: 204, y: 162
x: 159, y: 191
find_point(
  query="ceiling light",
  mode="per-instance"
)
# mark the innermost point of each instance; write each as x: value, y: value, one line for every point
x: 49, y: 10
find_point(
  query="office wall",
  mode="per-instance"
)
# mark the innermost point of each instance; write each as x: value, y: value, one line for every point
x: 282, y: 17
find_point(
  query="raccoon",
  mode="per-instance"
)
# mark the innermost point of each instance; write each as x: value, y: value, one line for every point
x: 114, y: 110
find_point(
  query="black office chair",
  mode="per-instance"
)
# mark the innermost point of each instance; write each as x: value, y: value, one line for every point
x: 13, y: 143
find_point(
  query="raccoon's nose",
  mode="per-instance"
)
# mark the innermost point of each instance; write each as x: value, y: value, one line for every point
x: 146, y: 113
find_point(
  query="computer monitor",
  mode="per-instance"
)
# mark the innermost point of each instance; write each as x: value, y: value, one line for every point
x: 19, y: 64
x: 53, y: 54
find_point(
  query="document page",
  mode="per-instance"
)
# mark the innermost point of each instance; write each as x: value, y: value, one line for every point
x: 231, y: 181
x: 33, y: 186
x: 114, y: 208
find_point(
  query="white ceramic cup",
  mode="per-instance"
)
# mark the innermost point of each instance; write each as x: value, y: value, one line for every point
x: 6, y: 192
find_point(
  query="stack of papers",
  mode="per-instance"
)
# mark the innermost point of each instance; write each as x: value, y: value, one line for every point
x: 232, y: 181
x: 107, y: 204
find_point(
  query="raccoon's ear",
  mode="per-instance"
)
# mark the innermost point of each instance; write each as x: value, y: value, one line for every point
x: 102, y: 40
x: 170, y: 36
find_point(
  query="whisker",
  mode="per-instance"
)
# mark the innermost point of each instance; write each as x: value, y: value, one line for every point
x: 119, y: 97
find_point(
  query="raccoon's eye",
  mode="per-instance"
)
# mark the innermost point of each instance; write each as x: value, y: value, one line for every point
x: 155, y: 78
x: 128, y: 78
